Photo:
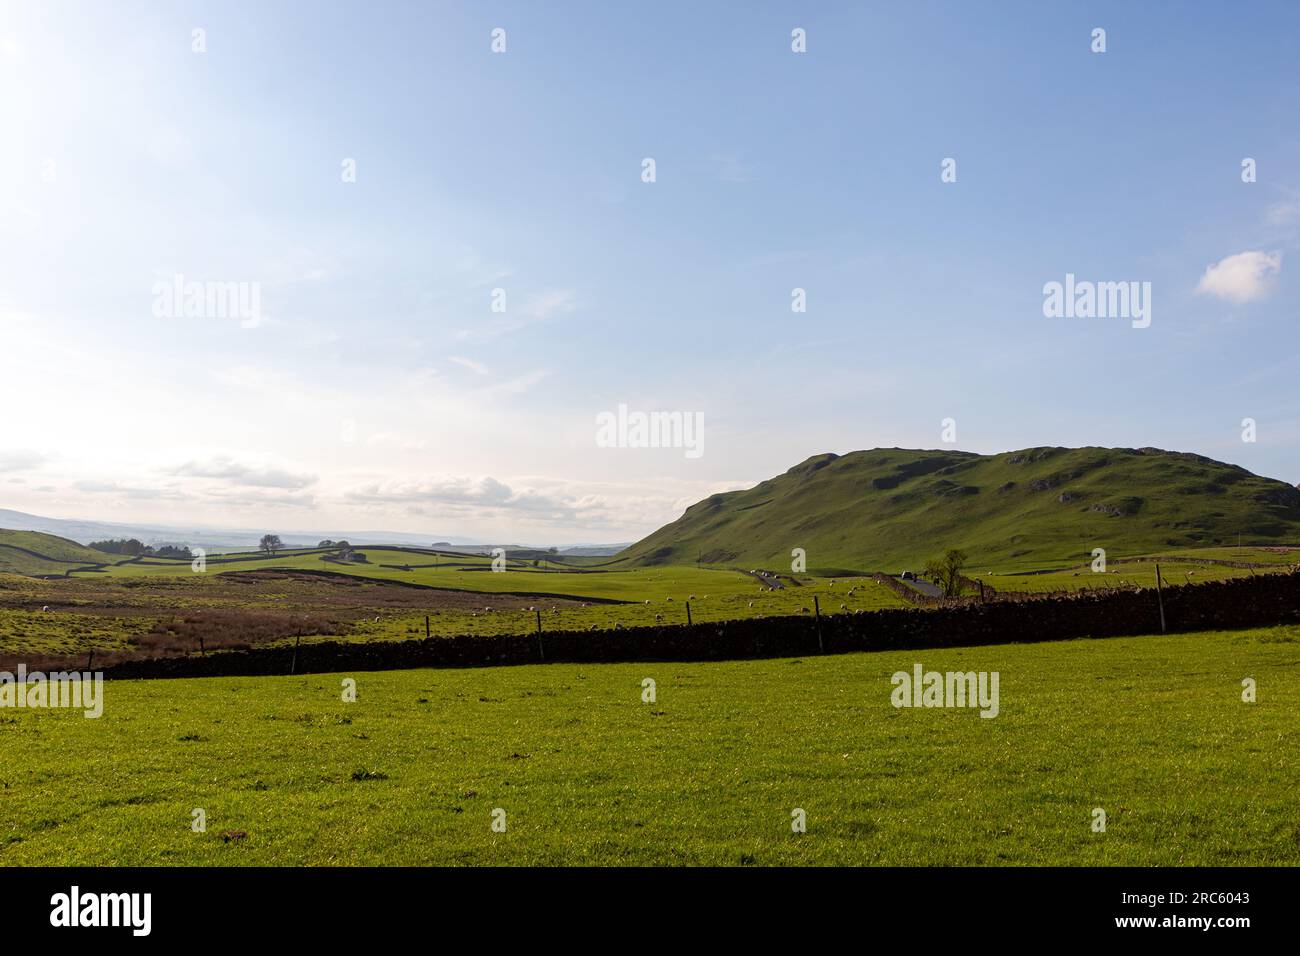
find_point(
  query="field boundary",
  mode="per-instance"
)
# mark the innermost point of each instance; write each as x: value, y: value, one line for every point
x: 323, y: 573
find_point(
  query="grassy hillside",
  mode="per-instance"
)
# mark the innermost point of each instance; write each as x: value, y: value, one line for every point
x: 1151, y: 729
x: 31, y: 552
x: 889, y: 509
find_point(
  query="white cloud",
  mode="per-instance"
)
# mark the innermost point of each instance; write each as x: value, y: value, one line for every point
x: 515, y: 386
x: 459, y: 495
x: 477, y: 367
x: 1241, y: 278
x: 543, y: 306
x: 536, y: 309
x: 396, y: 440
x: 238, y: 473
x: 20, y: 460
x: 253, y: 499
x: 134, y: 491
x: 1284, y: 212
x: 535, y: 502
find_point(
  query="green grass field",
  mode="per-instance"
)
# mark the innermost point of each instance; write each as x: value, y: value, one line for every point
x: 122, y: 607
x: 110, y: 610
x: 1151, y: 729
x: 1122, y: 574
x: 31, y: 552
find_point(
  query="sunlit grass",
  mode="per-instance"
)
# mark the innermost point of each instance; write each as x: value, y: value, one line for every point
x: 1151, y: 729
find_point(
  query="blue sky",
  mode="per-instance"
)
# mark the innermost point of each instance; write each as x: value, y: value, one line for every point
x: 379, y: 390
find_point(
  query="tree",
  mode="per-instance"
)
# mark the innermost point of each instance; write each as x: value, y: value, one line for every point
x: 946, y: 572
x: 131, y: 546
x: 271, y: 543
x: 327, y: 543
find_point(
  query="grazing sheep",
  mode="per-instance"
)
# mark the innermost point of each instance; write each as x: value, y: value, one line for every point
x: 46, y: 608
x: 751, y: 603
x: 659, y: 617
x: 844, y: 607
x: 691, y: 598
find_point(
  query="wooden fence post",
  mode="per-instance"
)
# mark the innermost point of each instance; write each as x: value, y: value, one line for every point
x: 1160, y: 599
x: 688, y: 613
x: 541, y: 651
x: 426, y: 627
x: 293, y: 664
x: 817, y: 610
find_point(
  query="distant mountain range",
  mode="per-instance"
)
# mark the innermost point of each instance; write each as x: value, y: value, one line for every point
x: 892, y: 509
x: 217, y: 539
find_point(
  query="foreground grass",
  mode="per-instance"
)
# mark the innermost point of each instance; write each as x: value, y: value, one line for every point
x: 1151, y: 729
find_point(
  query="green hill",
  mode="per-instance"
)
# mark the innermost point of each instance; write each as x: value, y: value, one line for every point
x: 890, y: 509
x: 32, y: 552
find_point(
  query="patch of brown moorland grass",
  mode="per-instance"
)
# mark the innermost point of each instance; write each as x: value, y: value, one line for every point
x: 231, y: 629
x: 204, y: 631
